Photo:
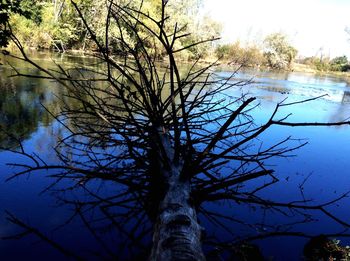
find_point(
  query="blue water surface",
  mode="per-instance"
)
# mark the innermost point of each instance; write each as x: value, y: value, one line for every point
x: 320, y: 168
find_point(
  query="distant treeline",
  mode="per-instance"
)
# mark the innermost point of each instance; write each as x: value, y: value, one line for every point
x: 55, y: 24
x: 277, y: 53
x: 337, y: 64
x: 274, y: 52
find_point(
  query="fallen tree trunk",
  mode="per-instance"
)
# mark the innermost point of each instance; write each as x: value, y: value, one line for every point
x: 177, y: 234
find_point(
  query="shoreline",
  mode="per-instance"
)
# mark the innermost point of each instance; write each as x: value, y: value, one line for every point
x: 296, y: 67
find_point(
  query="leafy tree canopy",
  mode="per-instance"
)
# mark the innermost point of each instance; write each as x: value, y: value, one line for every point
x: 278, y: 51
x: 55, y: 24
x: 25, y: 8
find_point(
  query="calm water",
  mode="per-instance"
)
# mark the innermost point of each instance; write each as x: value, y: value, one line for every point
x: 323, y: 163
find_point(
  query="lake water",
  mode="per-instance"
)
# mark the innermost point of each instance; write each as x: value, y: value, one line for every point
x: 322, y: 167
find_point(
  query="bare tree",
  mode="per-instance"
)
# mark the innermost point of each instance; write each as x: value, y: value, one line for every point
x: 170, y: 139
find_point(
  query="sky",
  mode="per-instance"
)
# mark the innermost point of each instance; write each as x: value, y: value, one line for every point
x: 313, y: 26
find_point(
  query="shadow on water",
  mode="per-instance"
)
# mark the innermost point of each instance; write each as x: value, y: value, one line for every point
x: 100, y: 219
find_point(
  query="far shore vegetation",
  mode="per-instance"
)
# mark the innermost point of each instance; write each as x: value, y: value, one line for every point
x: 53, y: 25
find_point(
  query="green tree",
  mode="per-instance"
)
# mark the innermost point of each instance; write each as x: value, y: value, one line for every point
x: 278, y: 51
x: 237, y: 54
x: 339, y: 63
x: 7, y: 8
x: 55, y: 24
x: 203, y: 30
